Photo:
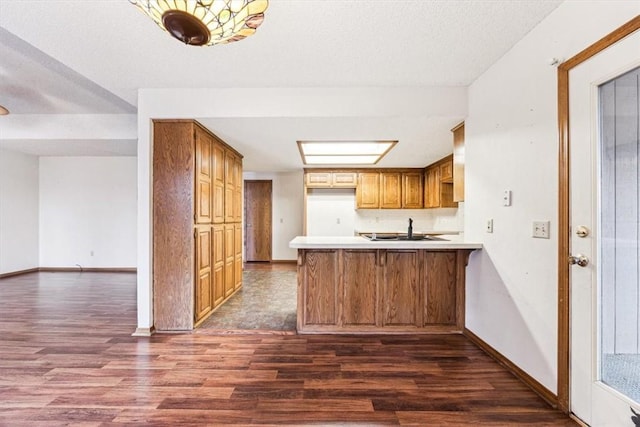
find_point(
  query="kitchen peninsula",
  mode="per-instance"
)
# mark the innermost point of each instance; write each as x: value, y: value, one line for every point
x: 356, y: 285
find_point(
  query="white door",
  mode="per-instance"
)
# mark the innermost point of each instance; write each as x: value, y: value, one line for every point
x: 605, y: 204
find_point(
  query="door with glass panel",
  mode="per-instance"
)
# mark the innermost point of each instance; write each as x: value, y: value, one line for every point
x: 604, y: 131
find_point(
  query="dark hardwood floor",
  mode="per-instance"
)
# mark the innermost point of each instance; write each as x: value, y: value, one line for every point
x: 67, y: 357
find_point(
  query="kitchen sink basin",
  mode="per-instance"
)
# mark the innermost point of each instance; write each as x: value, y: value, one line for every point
x: 376, y: 238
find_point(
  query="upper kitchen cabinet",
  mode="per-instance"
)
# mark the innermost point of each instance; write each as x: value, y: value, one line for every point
x: 390, y: 190
x: 458, y: 163
x: 368, y: 190
x: 412, y: 190
x: 438, y: 189
x: 331, y: 179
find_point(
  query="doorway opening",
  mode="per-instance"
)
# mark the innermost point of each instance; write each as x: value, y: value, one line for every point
x: 267, y: 300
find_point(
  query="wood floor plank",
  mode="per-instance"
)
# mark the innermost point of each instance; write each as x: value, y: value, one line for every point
x: 69, y: 359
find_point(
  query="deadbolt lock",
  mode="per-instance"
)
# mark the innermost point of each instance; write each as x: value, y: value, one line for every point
x: 582, y: 231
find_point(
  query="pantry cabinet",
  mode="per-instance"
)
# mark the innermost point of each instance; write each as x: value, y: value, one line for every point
x: 197, y: 198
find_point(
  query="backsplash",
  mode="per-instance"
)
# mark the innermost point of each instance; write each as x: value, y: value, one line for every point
x: 397, y: 220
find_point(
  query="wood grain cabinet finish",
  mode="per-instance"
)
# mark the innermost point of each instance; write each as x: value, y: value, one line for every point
x: 204, y: 272
x: 218, y: 260
x: 390, y: 190
x: 458, y: 163
x: 318, y: 295
x: 412, y: 190
x: 400, y: 296
x: 189, y: 180
x: 330, y: 179
x: 229, y: 259
x: 344, y: 179
x: 237, y: 256
x: 318, y: 179
x: 218, y: 183
x: 439, y: 184
x: 229, y: 187
x: 368, y: 190
x: 360, y: 288
x: 381, y: 291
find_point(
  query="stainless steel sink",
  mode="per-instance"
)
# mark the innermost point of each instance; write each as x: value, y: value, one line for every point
x: 376, y: 238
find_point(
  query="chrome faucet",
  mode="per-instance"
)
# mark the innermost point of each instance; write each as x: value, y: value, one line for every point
x: 410, y: 229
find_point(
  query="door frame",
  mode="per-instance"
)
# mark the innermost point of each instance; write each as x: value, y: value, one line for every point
x: 270, y: 181
x: 564, y: 227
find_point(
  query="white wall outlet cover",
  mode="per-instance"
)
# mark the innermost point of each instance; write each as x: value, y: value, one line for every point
x: 506, y: 198
x: 541, y: 229
x: 490, y: 226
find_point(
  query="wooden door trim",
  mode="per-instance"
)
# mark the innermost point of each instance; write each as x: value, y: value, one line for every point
x: 564, y: 230
x: 270, y: 181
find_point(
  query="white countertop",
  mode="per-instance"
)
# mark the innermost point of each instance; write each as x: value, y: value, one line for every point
x: 357, y: 242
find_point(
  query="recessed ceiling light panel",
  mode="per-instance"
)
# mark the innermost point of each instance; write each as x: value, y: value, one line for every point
x: 343, y: 152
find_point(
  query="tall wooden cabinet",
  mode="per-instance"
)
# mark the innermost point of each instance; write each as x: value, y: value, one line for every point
x: 197, y: 213
x: 438, y: 184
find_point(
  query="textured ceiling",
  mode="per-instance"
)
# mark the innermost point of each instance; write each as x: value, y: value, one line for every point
x: 92, y: 56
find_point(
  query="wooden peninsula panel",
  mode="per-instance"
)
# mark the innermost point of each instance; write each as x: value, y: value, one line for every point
x: 400, y: 288
x: 381, y: 290
x: 319, y: 287
x: 440, y: 288
x: 360, y: 289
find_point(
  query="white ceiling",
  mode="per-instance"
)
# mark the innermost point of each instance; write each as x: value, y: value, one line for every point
x: 92, y: 56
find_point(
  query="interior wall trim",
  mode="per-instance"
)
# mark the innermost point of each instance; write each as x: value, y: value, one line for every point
x: 564, y: 247
x: 531, y: 382
x: 19, y: 272
x: 70, y: 270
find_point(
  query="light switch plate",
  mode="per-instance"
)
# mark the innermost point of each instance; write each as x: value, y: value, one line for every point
x: 541, y: 229
x: 506, y: 198
x: 490, y: 226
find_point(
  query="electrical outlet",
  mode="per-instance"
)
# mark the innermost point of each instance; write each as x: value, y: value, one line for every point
x: 337, y: 220
x: 541, y: 229
x: 490, y: 226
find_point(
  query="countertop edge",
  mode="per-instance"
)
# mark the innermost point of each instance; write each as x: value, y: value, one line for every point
x: 302, y: 242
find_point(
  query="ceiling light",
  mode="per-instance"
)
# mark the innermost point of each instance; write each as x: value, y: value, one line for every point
x: 3, y: 111
x: 205, y: 22
x: 343, y: 152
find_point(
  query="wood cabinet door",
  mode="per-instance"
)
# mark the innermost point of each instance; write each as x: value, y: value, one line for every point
x: 344, y: 179
x: 446, y: 170
x: 412, y: 190
x: 400, y: 288
x: 229, y: 259
x: 218, y: 184
x: 318, y: 179
x: 320, y: 287
x: 237, y: 196
x: 229, y: 186
x: 432, y: 187
x: 360, y: 288
x: 368, y: 190
x: 440, y: 288
x: 237, y: 259
x: 204, y: 282
x: 218, y: 260
x: 204, y: 177
x: 390, y: 190
x: 458, y: 163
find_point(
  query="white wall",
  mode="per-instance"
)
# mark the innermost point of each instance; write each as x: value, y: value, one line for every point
x: 18, y: 211
x: 88, y: 211
x: 512, y: 143
x: 397, y: 220
x: 287, y: 213
x: 331, y: 211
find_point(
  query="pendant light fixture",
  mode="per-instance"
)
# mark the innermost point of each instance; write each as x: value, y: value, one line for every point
x: 205, y: 22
